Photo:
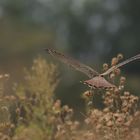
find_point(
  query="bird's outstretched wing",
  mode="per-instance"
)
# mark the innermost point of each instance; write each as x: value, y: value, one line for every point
x: 121, y: 64
x: 73, y: 63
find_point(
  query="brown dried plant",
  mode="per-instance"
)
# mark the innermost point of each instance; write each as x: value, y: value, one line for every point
x: 115, y: 120
x: 6, y: 101
x: 33, y: 112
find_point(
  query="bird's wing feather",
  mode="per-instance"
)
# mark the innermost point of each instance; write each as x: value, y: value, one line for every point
x: 121, y: 64
x: 73, y: 63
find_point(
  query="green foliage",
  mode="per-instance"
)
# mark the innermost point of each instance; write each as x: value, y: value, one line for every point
x: 42, y: 78
x: 36, y: 96
x: 32, y: 132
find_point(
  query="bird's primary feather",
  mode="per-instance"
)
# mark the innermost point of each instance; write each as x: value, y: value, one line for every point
x: 73, y: 63
x: 121, y: 64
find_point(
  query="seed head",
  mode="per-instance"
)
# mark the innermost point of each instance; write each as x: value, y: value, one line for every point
x: 117, y: 71
x: 112, y: 76
x: 109, y: 124
x: 114, y: 61
x: 87, y: 94
x: 126, y: 93
x: 120, y: 56
x: 122, y: 80
x: 105, y: 66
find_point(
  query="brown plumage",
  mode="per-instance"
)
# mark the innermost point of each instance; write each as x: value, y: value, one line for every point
x: 96, y: 80
x: 99, y: 83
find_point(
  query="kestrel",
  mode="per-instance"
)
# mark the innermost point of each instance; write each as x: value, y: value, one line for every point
x: 97, y: 80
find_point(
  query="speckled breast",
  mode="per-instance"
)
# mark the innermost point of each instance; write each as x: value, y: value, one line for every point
x: 99, y: 82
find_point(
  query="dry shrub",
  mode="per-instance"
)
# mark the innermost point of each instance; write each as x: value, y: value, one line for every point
x: 115, y: 120
x: 35, y: 101
x: 6, y: 101
x: 32, y: 112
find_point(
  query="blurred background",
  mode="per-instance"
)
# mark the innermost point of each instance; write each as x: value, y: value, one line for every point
x: 92, y: 31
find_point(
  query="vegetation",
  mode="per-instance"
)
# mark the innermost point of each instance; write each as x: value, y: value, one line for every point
x: 32, y: 112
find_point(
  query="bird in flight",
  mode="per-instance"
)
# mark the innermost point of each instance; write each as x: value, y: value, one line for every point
x: 97, y: 80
